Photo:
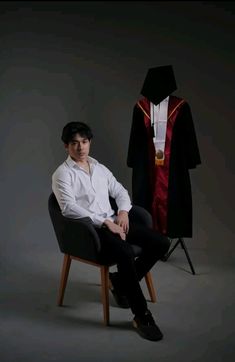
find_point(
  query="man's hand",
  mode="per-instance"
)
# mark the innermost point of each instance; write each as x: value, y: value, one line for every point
x: 122, y: 220
x: 116, y: 229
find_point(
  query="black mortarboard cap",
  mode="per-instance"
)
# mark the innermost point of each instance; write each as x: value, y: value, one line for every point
x: 159, y: 83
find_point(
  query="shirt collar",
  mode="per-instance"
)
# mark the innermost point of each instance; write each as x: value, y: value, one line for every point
x: 71, y: 163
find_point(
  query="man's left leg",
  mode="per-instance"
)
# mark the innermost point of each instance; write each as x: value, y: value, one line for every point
x: 153, y: 244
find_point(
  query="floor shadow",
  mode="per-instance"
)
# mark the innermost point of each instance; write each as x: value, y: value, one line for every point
x: 34, y: 297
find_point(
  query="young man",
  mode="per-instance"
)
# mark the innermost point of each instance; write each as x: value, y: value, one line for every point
x: 82, y: 187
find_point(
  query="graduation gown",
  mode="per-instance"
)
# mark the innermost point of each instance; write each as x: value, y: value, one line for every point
x: 165, y: 191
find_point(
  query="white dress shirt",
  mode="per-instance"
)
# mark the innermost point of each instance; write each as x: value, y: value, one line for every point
x: 82, y: 194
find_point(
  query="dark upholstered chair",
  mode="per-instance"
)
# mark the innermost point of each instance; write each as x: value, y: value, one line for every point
x: 78, y: 240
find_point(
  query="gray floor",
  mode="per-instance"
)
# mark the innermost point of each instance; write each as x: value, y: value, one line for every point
x: 196, y: 313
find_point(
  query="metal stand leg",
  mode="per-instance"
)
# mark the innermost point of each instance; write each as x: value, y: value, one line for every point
x: 187, y: 255
x: 182, y: 243
x: 171, y: 251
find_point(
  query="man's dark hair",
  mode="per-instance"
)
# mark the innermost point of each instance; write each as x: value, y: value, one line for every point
x: 72, y: 128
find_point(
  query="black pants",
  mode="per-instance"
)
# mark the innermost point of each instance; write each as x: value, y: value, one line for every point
x: 131, y: 270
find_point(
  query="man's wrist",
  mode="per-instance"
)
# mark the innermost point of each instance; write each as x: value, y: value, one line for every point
x: 122, y: 211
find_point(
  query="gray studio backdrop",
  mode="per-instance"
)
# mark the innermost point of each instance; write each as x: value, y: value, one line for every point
x: 63, y: 61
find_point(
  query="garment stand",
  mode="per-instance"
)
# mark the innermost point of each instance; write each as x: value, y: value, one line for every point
x: 182, y: 243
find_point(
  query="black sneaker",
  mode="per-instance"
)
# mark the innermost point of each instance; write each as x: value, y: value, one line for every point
x: 146, y: 327
x: 120, y: 299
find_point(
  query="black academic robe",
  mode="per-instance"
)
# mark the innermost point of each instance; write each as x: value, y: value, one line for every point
x: 184, y: 155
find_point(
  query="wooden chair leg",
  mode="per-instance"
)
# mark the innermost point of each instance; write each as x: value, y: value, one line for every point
x: 64, y: 278
x: 151, y: 289
x: 104, y: 271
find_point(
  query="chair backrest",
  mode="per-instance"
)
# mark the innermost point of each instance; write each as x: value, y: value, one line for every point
x: 76, y: 237
x: 57, y: 220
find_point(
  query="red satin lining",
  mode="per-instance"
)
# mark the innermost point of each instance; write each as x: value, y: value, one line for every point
x: 159, y: 175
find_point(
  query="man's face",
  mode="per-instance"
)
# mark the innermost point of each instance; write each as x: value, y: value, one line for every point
x: 78, y: 148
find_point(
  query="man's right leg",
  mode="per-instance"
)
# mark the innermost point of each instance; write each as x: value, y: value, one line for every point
x: 113, y: 248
